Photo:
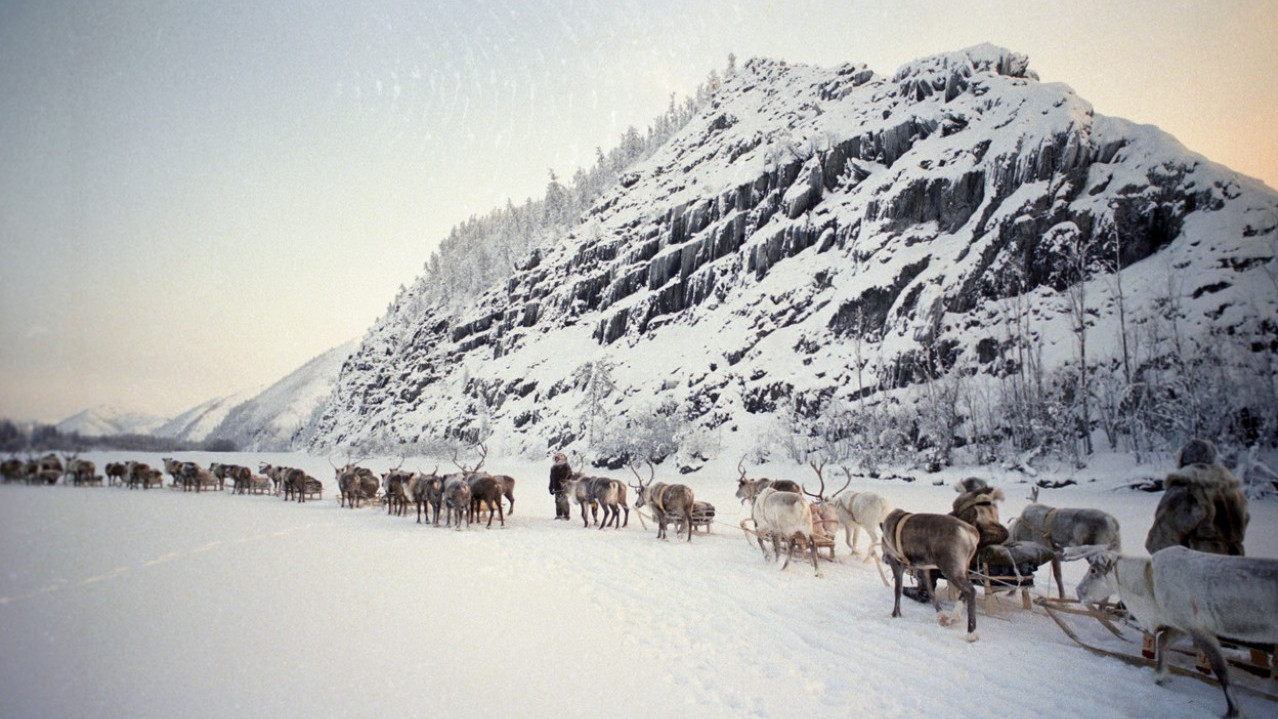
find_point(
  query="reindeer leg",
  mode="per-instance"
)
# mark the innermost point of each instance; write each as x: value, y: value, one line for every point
x: 898, y: 572
x: 929, y: 583
x: 627, y: 522
x: 969, y: 598
x: 1209, y: 645
x: 1162, y: 638
x: 1056, y: 572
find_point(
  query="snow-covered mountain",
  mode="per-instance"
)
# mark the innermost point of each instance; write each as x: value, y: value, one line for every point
x: 269, y: 420
x: 107, y: 420
x: 820, y: 242
x: 197, y: 424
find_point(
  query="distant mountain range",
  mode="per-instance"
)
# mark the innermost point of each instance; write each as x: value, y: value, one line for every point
x: 109, y: 420
x: 262, y: 420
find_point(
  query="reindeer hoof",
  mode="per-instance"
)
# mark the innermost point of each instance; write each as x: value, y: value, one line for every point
x: 971, y: 637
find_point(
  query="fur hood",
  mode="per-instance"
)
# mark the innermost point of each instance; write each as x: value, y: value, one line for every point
x: 984, y: 495
x: 1211, y: 478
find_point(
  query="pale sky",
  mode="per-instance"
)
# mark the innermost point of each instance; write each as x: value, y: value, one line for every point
x: 198, y: 197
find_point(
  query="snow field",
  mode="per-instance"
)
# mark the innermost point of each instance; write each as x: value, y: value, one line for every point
x: 147, y: 604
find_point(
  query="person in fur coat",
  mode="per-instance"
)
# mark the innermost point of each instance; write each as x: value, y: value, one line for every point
x: 977, y: 505
x: 1203, y: 505
x: 559, y: 473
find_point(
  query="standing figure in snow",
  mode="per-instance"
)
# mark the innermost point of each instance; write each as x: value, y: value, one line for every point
x: 559, y: 474
x: 976, y: 505
x: 1203, y: 505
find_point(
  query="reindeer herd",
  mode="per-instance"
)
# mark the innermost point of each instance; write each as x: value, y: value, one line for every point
x: 790, y: 518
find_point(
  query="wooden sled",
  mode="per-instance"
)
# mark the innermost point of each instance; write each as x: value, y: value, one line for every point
x: 1107, y: 630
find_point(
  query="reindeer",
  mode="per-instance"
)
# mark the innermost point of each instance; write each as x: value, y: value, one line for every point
x: 456, y: 499
x: 748, y: 489
x: 782, y: 516
x: 1058, y: 528
x: 667, y: 501
x: 610, y: 494
x: 354, y: 483
x: 853, y: 511
x: 297, y: 484
x: 81, y: 471
x: 485, y: 490
x: 1183, y: 591
x: 183, y: 473
x: 932, y: 541
x: 273, y: 473
x: 239, y: 476
x: 13, y: 470
x: 508, y: 490
x: 144, y: 475
x: 395, y: 485
x: 46, y: 470
x: 426, y: 491
x: 116, y: 473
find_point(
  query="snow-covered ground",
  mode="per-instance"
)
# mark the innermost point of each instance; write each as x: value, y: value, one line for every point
x: 117, y: 603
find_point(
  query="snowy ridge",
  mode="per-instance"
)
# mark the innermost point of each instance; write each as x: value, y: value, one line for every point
x: 817, y: 236
x: 270, y: 420
x: 107, y: 420
x: 197, y: 424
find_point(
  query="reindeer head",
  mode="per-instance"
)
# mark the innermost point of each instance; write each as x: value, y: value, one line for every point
x: 1099, y: 582
x: 641, y: 489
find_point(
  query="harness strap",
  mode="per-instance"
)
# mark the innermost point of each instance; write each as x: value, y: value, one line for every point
x: 895, y: 547
x: 1045, y: 531
x: 659, y: 501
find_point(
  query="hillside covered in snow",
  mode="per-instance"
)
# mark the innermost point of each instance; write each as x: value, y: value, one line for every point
x: 271, y: 420
x: 955, y: 256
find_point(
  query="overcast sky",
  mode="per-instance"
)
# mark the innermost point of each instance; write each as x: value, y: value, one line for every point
x: 198, y: 197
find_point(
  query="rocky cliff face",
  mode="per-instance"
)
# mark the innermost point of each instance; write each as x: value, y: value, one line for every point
x: 826, y: 233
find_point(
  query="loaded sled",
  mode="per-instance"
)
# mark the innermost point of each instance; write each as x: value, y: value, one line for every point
x: 1108, y: 630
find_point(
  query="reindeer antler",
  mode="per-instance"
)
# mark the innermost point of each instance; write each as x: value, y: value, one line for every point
x: 651, y: 475
x: 816, y: 468
x: 848, y: 474
x: 460, y: 466
x: 741, y: 469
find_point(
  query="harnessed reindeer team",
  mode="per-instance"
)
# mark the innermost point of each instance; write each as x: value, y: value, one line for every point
x: 1188, y: 587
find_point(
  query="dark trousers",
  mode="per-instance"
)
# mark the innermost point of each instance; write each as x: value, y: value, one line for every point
x: 561, y: 505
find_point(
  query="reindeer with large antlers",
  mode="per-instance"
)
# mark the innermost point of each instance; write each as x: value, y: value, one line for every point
x: 667, y: 501
x: 782, y: 517
x: 852, y: 510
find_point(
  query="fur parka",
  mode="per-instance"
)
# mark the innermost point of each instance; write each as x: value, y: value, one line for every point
x: 1203, y: 508
x: 978, y: 508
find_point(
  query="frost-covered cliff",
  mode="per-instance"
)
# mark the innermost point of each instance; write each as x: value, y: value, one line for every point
x: 827, y: 237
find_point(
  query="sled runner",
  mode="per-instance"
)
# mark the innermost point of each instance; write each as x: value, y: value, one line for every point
x: 1107, y: 630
